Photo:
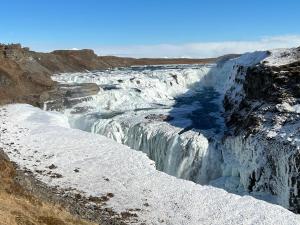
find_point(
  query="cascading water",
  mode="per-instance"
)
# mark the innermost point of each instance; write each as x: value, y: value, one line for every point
x: 175, y: 115
x: 172, y: 113
x: 164, y: 111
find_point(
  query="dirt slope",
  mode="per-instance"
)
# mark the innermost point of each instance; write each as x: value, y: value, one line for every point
x: 20, y: 208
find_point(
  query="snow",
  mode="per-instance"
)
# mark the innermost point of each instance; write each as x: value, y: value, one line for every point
x: 43, y: 138
x: 129, y: 95
x: 119, y: 112
x: 188, y: 155
x: 269, y: 157
x: 279, y: 57
x: 138, y: 87
x: 286, y: 107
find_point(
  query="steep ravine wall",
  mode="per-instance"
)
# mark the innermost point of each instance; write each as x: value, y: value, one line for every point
x: 188, y: 155
x: 263, y: 137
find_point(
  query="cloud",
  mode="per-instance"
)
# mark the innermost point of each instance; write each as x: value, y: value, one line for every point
x: 201, y: 49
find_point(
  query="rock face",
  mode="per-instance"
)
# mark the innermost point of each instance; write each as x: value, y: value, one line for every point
x: 264, y: 127
x: 21, y: 78
x: 265, y: 85
x: 67, y: 95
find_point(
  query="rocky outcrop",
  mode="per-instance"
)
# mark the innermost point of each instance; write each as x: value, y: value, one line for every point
x: 22, y: 79
x: 263, y: 86
x: 65, y: 96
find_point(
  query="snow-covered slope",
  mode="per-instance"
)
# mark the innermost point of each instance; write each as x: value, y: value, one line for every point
x: 93, y: 165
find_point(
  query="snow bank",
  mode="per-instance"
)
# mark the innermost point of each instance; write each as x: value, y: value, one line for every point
x: 35, y: 139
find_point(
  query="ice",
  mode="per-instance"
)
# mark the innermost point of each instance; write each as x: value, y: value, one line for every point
x: 168, y: 91
x: 130, y: 89
x: 185, y: 146
x: 286, y: 107
x: 42, y: 138
x: 191, y: 145
x: 120, y: 112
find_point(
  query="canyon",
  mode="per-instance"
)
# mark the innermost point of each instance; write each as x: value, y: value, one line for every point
x: 224, y: 124
x: 110, y: 129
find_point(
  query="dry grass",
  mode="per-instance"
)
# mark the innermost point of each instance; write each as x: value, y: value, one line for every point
x: 20, y: 208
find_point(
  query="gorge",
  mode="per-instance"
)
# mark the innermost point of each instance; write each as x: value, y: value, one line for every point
x: 196, y: 122
x: 230, y: 126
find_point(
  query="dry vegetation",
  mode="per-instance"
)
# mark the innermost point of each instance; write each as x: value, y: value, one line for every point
x: 19, y: 208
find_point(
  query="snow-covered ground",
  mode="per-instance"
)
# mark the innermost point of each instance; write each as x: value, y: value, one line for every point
x: 95, y: 165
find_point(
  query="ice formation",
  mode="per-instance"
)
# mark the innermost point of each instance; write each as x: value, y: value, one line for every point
x: 185, y: 146
x: 123, y: 111
x: 104, y: 166
x: 174, y: 115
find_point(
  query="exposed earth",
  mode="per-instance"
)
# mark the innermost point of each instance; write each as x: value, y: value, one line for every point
x: 19, y: 207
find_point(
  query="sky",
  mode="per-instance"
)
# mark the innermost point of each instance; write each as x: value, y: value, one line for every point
x: 152, y: 28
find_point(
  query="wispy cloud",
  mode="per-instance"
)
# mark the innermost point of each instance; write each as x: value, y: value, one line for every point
x: 201, y: 49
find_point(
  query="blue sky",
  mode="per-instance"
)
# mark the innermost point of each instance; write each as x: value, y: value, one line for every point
x: 154, y: 28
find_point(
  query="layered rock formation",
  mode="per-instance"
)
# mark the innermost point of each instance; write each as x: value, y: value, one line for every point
x: 64, y: 96
x: 22, y: 79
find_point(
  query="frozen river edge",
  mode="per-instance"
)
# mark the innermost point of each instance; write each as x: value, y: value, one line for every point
x: 100, y: 175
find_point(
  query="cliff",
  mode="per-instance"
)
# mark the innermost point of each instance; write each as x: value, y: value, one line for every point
x: 262, y: 113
